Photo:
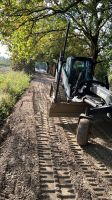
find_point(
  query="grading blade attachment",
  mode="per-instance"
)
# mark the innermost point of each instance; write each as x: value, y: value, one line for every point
x: 64, y: 109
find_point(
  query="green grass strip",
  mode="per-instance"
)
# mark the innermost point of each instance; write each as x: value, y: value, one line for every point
x: 12, y: 85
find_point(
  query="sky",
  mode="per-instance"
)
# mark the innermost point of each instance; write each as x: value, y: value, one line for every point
x: 4, y: 51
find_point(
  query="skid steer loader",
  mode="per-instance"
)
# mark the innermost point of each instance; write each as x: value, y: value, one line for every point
x: 76, y: 93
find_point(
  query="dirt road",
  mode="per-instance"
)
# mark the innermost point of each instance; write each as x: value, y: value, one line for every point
x: 39, y: 156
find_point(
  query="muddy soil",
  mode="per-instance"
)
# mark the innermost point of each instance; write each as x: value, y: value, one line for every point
x: 40, y: 158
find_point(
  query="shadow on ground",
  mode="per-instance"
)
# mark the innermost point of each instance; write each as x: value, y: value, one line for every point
x: 99, y: 145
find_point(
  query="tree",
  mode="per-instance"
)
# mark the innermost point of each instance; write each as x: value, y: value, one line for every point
x: 29, y: 27
x: 92, y: 19
x: 36, y: 27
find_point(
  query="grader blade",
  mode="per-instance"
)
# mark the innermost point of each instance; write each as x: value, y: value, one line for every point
x: 64, y: 109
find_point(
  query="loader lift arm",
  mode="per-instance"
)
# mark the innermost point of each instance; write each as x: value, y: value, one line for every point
x: 61, y: 59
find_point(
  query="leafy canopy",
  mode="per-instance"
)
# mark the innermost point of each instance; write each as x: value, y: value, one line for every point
x: 35, y: 29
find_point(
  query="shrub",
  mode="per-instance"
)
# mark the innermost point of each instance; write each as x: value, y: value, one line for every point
x: 6, y: 103
x: 12, y: 85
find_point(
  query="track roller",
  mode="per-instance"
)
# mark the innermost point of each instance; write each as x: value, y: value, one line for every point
x: 83, y: 130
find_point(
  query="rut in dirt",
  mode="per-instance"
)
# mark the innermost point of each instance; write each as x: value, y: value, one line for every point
x: 40, y: 158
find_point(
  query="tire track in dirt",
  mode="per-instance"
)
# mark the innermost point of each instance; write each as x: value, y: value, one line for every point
x: 96, y: 174
x: 55, y: 182
x: 62, y: 178
x: 63, y: 159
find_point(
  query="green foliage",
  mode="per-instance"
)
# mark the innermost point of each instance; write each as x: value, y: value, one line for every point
x: 101, y: 71
x: 35, y: 29
x: 44, y: 43
x: 12, y: 85
x: 6, y: 103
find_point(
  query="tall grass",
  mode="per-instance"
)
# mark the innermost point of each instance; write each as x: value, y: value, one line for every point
x: 12, y: 85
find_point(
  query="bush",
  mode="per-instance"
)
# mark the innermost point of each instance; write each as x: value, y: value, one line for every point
x: 6, y: 103
x: 12, y: 85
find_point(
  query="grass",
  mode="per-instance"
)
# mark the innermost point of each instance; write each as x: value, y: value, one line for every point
x: 12, y: 86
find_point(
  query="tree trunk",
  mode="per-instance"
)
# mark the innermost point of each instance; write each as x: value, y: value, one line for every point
x: 94, y: 48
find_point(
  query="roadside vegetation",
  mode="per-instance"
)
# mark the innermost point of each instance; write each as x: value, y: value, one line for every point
x: 12, y: 86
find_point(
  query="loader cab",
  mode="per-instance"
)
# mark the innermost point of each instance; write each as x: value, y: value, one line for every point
x: 75, y: 65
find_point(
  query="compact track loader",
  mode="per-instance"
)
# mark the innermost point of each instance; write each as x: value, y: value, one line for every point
x: 76, y: 93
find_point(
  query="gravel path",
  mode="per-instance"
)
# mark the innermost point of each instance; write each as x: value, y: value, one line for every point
x: 39, y: 156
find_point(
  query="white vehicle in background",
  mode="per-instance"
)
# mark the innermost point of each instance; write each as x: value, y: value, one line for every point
x: 41, y: 67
